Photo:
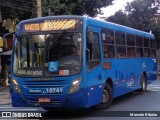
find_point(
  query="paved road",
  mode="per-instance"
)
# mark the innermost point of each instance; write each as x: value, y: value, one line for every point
x: 149, y: 101
x: 4, y: 96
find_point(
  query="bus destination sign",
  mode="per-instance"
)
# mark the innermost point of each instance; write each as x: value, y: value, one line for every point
x: 47, y: 25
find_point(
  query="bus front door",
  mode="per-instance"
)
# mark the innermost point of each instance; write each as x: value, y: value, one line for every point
x: 94, y: 66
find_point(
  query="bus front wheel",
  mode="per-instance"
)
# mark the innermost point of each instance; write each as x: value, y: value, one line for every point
x: 107, y: 97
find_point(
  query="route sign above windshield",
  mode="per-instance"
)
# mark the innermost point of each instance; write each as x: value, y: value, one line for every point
x: 48, y: 25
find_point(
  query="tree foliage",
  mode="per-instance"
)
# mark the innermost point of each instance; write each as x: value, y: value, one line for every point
x: 17, y: 10
x: 13, y: 11
x: 20, y: 9
x: 142, y: 15
x: 119, y: 17
x: 74, y: 7
x: 24, y: 9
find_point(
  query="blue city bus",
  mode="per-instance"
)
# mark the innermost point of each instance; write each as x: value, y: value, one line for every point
x: 78, y: 62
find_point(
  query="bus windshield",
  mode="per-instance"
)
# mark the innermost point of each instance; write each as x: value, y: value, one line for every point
x: 54, y: 54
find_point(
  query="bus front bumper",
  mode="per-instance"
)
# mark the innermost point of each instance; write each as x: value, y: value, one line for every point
x: 75, y: 100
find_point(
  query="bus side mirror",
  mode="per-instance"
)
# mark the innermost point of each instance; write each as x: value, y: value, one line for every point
x: 8, y: 41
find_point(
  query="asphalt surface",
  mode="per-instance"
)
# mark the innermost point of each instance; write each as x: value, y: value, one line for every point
x: 4, y: 96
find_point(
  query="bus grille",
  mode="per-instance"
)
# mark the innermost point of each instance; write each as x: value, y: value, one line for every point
x: 45, y: 84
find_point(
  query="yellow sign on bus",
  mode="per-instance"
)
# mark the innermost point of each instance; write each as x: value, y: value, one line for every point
x: 47, y: 25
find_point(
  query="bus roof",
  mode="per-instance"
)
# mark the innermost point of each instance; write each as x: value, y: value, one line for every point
x: 95, y: 22
x: 117, y: 27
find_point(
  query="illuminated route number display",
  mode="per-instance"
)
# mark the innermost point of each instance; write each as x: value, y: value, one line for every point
x: 47, y: 25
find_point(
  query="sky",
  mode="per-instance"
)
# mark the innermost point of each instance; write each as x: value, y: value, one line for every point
x: 118, y: 4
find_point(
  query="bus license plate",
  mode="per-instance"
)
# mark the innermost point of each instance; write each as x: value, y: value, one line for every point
x: 44, y: 100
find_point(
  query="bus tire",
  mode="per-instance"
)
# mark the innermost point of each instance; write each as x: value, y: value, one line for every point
x: 107, y: 97
x: 143, y: 84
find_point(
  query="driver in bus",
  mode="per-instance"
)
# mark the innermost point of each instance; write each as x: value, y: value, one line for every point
x: 72, y: 60
x: 74, y: 50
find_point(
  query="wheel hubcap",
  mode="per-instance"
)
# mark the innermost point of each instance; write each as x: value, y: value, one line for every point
x: 143, y: 85
x: 105, y: 96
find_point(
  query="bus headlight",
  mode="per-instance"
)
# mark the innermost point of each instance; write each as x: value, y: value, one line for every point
x: 75, y: 85
x: 16, y: 86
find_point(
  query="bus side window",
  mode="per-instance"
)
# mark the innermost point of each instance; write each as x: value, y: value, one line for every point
x: 139, y: 41
x: 108, y: 43
x: 153, y: 48
x: 93, y: 50
x: 131, y: 52
x: 153, y: 52
x: 120, y: 38
x: 121, y: 51
x: 153, y: 44
x: 130, y: 40
x: 146, y: 52
x: 139, y: 46
x: 108, y: 51
x: 120, y: 45
x: 146, y: 42
x: 107, y: 36
x: 139, y: 52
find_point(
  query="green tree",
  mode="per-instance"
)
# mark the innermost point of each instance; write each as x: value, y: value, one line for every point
x: 142, y: 15
x: 119, y: 17
x: 24, y: 9
x: 74, y: 7
x: 20, y: 9
x: 13, y: 11
x: 8, y: 12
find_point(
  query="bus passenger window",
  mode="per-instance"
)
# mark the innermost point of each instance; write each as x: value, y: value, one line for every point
x: 108, y: 51
x: 130, y: 40
x: 139, y: 52
x: 120, y: 38
x: 153, y: 44
x: 108, y: 43
x: 139, y: 41
x: 153, y: 52
x: 107, y: 36
x: 146, y: 42
x: 121, y: 51
x: 146, y: 52
x: 131, y: 52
